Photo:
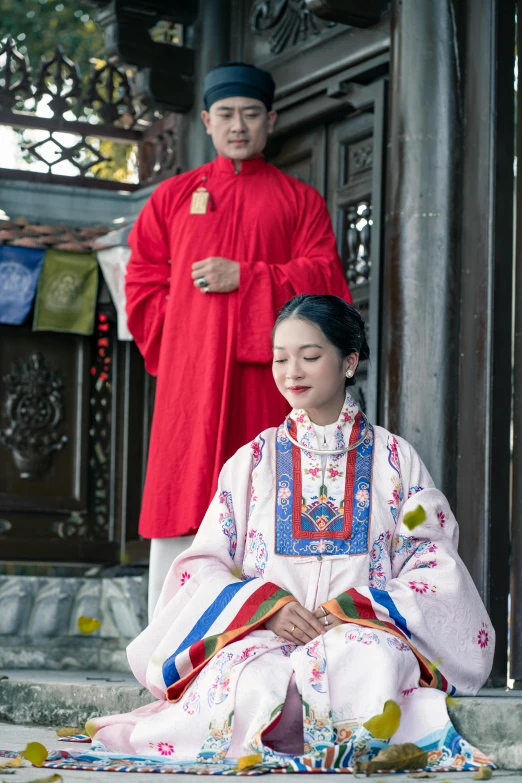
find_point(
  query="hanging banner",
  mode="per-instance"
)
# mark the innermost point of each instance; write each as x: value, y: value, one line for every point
x: 66, y: 296
x: 113, y: 263
x: 20, y: 269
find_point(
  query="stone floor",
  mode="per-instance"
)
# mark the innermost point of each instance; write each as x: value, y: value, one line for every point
x: 34, y: 701
x: 17, y: 737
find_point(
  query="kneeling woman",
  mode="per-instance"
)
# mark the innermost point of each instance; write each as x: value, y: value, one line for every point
x: 323, y: 582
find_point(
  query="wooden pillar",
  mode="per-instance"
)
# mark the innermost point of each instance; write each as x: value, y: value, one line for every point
x: 447, y: 290
x: 516, y: 540
x: 210, y: 37
x: 483, y: 464
x: 421, y: 275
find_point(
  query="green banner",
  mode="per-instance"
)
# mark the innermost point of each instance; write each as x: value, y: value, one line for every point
x: 66, y: 296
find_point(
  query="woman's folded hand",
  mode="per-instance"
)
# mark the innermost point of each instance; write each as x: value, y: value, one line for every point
x: 295, y: 624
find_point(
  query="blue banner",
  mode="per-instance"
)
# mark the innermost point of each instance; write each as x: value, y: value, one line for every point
x: 20, y: 269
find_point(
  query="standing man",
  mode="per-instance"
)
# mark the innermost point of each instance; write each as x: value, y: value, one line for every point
x: 215, y: 253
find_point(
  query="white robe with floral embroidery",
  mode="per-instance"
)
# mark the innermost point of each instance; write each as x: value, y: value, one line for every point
x: 414, y: 626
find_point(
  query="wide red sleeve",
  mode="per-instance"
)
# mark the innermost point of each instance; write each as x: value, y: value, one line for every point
x: 314, y: 268
x: 147, y: 279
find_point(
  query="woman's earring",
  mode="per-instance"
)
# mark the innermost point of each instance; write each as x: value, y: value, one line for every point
x: 349, y: 373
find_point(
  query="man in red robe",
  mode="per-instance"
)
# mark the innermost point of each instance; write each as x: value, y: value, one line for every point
x: 215, y: 253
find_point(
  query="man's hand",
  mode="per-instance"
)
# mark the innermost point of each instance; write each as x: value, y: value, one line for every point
x: 294, y: 616
x: 333, y: 622
x: 220, y: 274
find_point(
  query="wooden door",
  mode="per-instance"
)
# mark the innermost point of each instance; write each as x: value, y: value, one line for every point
x: 343, y: 160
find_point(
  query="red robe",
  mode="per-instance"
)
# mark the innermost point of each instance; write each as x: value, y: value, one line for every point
x: 212, y: 352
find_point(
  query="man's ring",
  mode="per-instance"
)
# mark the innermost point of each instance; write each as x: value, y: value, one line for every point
x: 201, y: 282
x: 292, y: 629
x: 324, y: 611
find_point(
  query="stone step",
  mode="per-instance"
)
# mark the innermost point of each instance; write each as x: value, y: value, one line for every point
x: 492, y: 720
x: 39, y: 621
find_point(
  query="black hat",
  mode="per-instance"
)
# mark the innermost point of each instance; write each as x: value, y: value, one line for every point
x: 234, y: 80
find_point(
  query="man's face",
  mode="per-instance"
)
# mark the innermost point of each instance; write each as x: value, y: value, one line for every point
x: 239, y: 127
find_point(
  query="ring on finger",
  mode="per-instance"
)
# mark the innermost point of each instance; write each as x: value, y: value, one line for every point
x: 292, y: 629
x: 326, y: 620
x: 201, y: 282
x: 324, y: 611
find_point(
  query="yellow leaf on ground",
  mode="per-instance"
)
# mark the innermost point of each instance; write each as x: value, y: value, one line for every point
x: 36, y: 753
x: 68, y: 732
x: 484, y: 773
x: 385, y: 725
x: 422, y: 774
x: 49, y: 779
x: 413, y: 519
x: 16, y: 762
x: 88, y: 624
x: 395, y: 757
x: 245, y: 762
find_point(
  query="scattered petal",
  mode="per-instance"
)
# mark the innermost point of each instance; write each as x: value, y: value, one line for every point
x: 16, y: 762
x: 484, y: 773
x: 88, y: 624
x: 49, y: 779
x: 413, y: 519
x: 67, y: 732
x: 434, y: 666
x: 245, y: 762
x: 36, y: 753
x: 385, y: 725
x: 395, y: 757
x: 90, y: 728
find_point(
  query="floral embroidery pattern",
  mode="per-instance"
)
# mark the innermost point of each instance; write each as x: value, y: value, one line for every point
x: 397, y: 644
x: 365, y: 637
x: 223, y: 663
x: 185, y: 576
x: 192, y: 702
x: 483, y: 637
x: 165, y: 748
x: 258, y: 549
x: 414, y: 490
x: 393, y: 453
x: 226, y: 520
x: 253, y: 500
x: 426, y: 564
x: 319, y: 665
x: 441, y: 516
x: 420, y: 586
x: 257, y: 447
x: 287, y: 649
x: 409, y: 691
x: 363, y: 498
x: 379, y: 556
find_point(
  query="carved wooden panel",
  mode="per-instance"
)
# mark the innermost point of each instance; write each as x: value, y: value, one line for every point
x: 89, y: 401
x: 43, y: 435
x: 301, y: 156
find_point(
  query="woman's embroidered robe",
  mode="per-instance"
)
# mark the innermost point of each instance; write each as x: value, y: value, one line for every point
x: 414, y: 631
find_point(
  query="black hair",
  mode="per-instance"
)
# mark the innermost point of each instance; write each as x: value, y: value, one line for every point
x: 341, y: 323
